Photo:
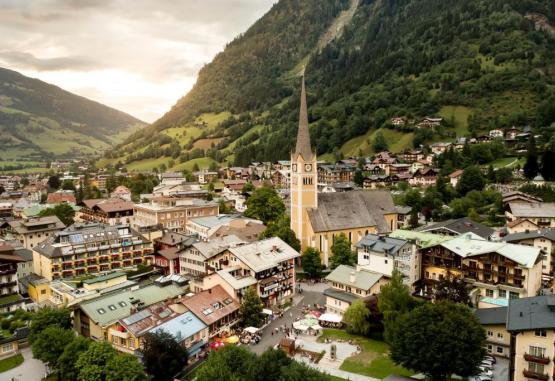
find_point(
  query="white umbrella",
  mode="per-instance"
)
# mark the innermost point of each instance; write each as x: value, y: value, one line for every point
x: 251, y: 330
x: 299, y: 326
x: 329, y: 317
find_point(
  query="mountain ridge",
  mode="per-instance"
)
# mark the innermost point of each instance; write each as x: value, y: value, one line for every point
x: 479, y: 64
x: 41, y: 121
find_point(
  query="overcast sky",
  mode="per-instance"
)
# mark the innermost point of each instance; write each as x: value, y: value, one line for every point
x: 139, y: 56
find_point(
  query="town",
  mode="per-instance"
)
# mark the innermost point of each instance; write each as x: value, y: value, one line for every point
x: 308, y: 257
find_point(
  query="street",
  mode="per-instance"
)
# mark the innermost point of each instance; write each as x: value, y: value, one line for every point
x: 31, y: 369
x: 311, y: 294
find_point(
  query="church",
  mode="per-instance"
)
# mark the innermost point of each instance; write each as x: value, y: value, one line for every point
x: 316, y: 218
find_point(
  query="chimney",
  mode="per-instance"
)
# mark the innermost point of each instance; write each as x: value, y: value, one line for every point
x: 209, y: 290
x: 352, y: 277
x: 274, y: 248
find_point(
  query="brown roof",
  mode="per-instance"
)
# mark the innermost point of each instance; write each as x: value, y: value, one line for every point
x: 249, y: 231
x: 518, y: 221
x: 200, y: 303
x: 40, y: 223
x: 109, y: 205
x: 56, y: 198
x: 351, y: 210
x: 457, y: 173
x: 169, y: 253
x: 303, y: 136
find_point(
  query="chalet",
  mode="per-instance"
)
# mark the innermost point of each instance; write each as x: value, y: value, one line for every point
x: 457, y: 227
x: 328, y: 174
x: 206, y: 176
x: 497, y: 133
x: 412, y: 156
x: 424, y: 177
x: 454, y: 177
x: 439, y: 148
x: 428, y: 122
x: 398, y: 121
x: 112, y: 211
x: 281, y: 178
x: 517, y: 196
x: 121, y: 192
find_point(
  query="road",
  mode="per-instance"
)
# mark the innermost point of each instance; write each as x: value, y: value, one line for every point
x: 31, y: 369
x: 308, y: 297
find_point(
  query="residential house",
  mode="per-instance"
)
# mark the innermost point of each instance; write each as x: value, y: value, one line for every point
x: 385, y: 254
x: 518, y: 196
x: 216, y: 308
x: 455, y: 176
x: 61, y: 196
x: 439, y: 148
x: 349, y: 284
x: 542, y: 239
x: 403, y: 216
x: 398, y: 121
x: 32, y: 231
x: 335, y: 173
x: 542, y: 214
x: 496, y: 133
x: 199, y: 258
x: 521, y: 225
x: 455, y: 227
x: 112, y: 211
x: 281, y: 178
x: 494, y: 323
x: 90, y: 249
x: 428, y: 122
x: 424, y: 177
x: 206, y: 176
x: 168, y: 247
x: 10, y: 300
x: 121, y: 192
x: 206, y: 228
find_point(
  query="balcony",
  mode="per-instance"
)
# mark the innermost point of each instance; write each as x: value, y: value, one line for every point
x: 535, y: 376
x: 537, y: 359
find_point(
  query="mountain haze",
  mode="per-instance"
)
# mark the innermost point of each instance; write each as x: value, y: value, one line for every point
x: 480, y: 64
x: 39, y: 120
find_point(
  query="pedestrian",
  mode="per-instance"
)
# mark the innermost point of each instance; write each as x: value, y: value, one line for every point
x: 291, y: 315
x: 272, y: 333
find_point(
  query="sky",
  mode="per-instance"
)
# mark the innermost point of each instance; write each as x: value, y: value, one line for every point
x: 138, y: 56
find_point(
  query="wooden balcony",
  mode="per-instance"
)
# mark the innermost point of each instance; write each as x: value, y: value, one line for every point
x: 535, y: 376
x: 537, y: 359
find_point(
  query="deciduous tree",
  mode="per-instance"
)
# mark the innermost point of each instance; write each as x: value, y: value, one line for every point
x: 50, y: 343
x: 63, y: 211
x: 312, y: 264
x: 342, y: 253
x: 356, y: 318
x: 163, y: 356
x: 471, y: 179
x: 439, y: 340
x: 251, y: 309
x: 264, y: 204
x: 49, y: 317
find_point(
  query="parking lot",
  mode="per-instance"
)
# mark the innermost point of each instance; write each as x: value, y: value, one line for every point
x: 501, y: 370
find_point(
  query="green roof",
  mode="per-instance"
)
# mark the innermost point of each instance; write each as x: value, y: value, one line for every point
x: 103, y: 278
x: 423, y: 239
x: 109, y: 308
x: 9, y: 299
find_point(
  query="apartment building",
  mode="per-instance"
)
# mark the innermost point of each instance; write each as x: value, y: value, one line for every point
x: 542, y: 239
x: 9, y: 290
x: 497, y: 271
x: 493, y: 321
x: 538, y: 214
x: 349, y: 284
x: 531, y: 323
x: 172, y: 213
x: 201, y: 257
x: 206, y: 227
x: 268, y: 265
x: 90, y: 249
x: 335, y: 173
x: 32, y: 231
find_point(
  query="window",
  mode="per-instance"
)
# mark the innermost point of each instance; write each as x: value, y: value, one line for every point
x: 7, y: 347
x: 490, y: 348
x: 541, y: 333
x: 490, y: 333
x: 535, y: 367
x: 42, y: 292
x: 499, y: 335
x: 101, y: 311
x: 513, y: 295
x: 489, y: 293
x: 499, y: 350
x: 502, y: 293
x: 537, y: 351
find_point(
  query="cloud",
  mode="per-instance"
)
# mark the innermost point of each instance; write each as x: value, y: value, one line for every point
x: 152, y: 49
x: 29, y: 61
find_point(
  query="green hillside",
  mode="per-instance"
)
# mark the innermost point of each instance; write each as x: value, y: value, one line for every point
x: 480, y: 64
x: 39, y: 121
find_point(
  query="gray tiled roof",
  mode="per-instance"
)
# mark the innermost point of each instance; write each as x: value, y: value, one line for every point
x: 460, y: 226
x: 352, y: 210
x: 545, y: 233
x: 380, y: 244
x: 539, y: 209
x: 531, y: 313
x: 364, y: 279
x: 489, y: 316
x: 340, y: 295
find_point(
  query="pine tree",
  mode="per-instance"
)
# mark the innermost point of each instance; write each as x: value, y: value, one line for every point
x: 547, y: 169
x: 531, y: 167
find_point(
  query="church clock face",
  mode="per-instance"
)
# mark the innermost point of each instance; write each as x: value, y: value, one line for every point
x: 308, y: 167
x: 294, y: 167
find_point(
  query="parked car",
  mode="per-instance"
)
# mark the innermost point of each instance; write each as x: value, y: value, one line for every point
x: 480, y: 378
x: 485, y: 372
x: 487, y: 365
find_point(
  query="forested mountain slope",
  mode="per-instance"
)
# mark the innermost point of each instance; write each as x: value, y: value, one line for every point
x: 40, y: 121
x: 478, y: 63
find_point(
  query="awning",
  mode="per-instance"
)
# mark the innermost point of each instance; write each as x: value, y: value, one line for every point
x: 251, y: 330
x: 299, y: 326
x: 267, y: 311
x: 330, y: 317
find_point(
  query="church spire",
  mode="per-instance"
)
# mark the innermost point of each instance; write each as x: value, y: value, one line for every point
x: 303, y: 136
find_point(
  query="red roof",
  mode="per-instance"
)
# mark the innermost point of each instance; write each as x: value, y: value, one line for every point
x: 57, y: 198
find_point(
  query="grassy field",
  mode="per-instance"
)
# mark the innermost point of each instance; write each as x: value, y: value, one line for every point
x: 206, y: 143
x: 373, y: 361
x: 510, y: 162
x: 26, y: 171
x: 11, y: 362
x: 396, y: 140
x: 202, y: 162
x: 147, y: 164
x: 460, y: 116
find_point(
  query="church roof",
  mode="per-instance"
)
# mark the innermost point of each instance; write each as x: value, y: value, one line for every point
x: 352, y: 210
x: 303, y: 136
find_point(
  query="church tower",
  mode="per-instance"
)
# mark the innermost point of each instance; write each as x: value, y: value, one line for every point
x: 304, y: 177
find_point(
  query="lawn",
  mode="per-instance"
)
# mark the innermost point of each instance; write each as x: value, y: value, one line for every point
x: 9, y: 298
x: 510, y: 162
x: 396, y: 140
x: 11, y: 362
x: 460, y: 116
x: 202, y: 162
x: 373, y: 361
x: 147, y: 164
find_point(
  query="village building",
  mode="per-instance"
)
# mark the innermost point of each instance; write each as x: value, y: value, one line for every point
x: 496, y: 271
x: 541, y: 214
x: 61, y: 196
x: 424, y: 177
x: 121, y: 192
x: 90, y: 249
x: 112, y: 211
x: 494, y: 322
x: 206, y: 227
x: 349, y: 284
x: 455, y: 227
x: 454, y: 177
x: 334, y: 173
x: 10, y: 300
x: 543, y: 240
x: 172, y: 213
x: 32, y: 231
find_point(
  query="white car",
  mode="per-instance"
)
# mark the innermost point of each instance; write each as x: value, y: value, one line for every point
x: 480, y: 378
x: 486, y: 364
x: 490, y: 358
x: 485, y: 372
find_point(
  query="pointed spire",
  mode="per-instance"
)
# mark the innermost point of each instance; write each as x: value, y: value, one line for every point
x: 303, y: 136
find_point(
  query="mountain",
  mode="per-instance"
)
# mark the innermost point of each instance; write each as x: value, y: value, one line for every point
x: 41, y: 121
x: 479, y: 64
